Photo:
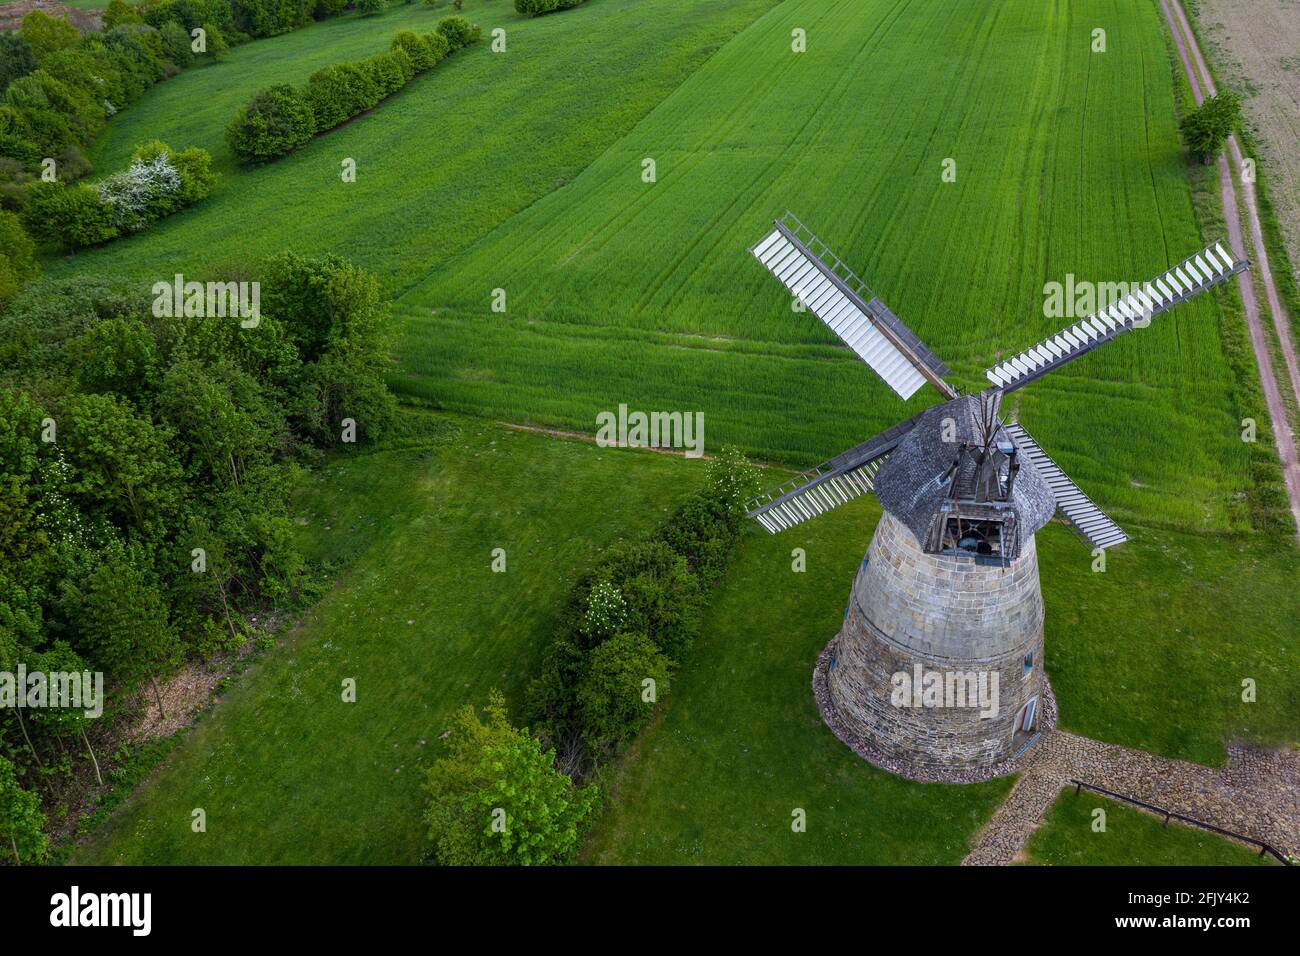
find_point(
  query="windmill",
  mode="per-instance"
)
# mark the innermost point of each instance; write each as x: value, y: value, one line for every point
x: 937, y: 671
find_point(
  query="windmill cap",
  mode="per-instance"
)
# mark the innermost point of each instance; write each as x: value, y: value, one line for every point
x: 910, y: 483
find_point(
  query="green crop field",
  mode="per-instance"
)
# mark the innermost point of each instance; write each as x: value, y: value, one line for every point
x: 453, y: 154
x: 1131, y: 838
x: 642, y: 292
x: 522, y: 171
x: 1067, y: 162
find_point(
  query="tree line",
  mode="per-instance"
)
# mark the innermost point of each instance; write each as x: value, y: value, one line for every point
x: 146, y: 458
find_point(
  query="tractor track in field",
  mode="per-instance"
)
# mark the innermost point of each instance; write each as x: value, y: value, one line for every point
x: 1201, y: 81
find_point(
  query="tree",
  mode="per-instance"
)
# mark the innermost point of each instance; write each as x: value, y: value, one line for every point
x: 497, y: 799
x: 1207, y: 127
x: 119, y: 12
x: 176, y: 43
x: 123, y: 467
x: 277, y: 121
x: 123, y: 623
x: 369, y: 8
x: 16, y: 58
x: 67, y: 217
x: 46, y: 34
x: 61, y: 658
x: 21, y: 821
x: 612, y: 695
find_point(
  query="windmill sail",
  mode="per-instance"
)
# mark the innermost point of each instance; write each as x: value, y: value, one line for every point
x: 1209, y: 267
x: 835, y: 294
x: 1092, y: 524
x: 845, y: 477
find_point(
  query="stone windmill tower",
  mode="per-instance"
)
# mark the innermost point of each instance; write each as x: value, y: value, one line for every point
x: 937, y: 672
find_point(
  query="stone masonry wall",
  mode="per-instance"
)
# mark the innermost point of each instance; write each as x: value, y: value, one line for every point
x: 948, y: 615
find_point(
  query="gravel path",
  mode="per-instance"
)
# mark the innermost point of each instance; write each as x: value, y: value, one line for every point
x: 1257, y: 793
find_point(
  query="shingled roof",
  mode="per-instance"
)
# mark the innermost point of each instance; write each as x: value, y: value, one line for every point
x: 908, y: 483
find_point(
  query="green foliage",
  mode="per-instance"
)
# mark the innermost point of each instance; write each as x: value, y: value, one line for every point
x: 215, y: 40
x: 634, y: 616
x: 420, y: 52
x: 533, y: 8
x: 46, y: 34
x: 368, y: 8
x: 277, y: 121
x: 176, y: 43
x: 17, y: 257
x: 119, y: 12
x: 1207, y: 127
x: 459, y: 32
x: 67, y: 217
x: 16, y: 57
x: 496, y: 799
x: 21, y: 819
x: 614, y: 701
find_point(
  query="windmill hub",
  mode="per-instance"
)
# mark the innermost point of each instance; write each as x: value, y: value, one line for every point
x: 937, y: 672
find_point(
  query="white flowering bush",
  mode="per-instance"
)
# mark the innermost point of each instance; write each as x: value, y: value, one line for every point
x: 141, y: 193
x: 606, y: 609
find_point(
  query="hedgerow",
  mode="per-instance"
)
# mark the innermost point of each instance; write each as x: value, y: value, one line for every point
x: 282, y: 118
x: 533, y: 8
x: 158, y: 182
x: 632, y: 618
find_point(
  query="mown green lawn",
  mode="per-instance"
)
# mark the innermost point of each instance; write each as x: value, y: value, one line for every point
x: 1137, y: 655
x: 1132, y: 838
x: 289, y: 773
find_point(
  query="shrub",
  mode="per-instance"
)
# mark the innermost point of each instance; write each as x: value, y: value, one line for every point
x: 417, y: 48
x: 176, y: 43
x: 215, y: 41
x: 193, y: 165
x: 458, y: 31
x: 369, y: 7
x: 67, y: 217
x: 276, y: 122
x: 492, y: 767
x: 119, y: 12
x: 143, y: 192
x: 439, y: 47
x: 46, y: 34
x: 533, y: 8
x: 16, y: 58
x: 324, y: 9
x: 17, y: 247
x: 613, y: 699
x: 386, y: 71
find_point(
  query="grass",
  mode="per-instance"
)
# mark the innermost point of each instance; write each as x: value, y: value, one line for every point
x: 1149, y: 654
x: 1068, y: 162
x: 286, y: 771
x: 1132, y: 838
x: 455, y: 152
x: 741, y: 744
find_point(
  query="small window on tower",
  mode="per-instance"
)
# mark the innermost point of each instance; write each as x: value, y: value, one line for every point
x: 1029, y: 664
